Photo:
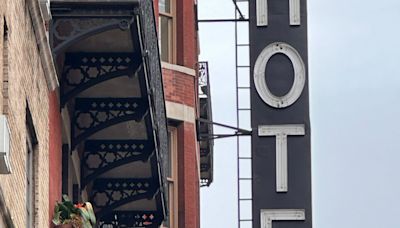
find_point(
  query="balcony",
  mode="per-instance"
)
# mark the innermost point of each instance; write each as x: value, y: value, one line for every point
x: 112, y: 99
x: 206, y: 146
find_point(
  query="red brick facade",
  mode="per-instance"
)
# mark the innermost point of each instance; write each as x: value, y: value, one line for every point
x: 180, y: 86
x: 55, y: 153
x: 189, y: 199
x: 186, y: 34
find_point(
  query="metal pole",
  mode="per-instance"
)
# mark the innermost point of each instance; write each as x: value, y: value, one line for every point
x: 237, y: 108
x: 221, y: 20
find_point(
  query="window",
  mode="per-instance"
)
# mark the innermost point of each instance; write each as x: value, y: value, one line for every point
x: 31, y: 165
x: 166, y: 30
x: 30, y: 184
x: 5, y: 67
x: 172, y: 220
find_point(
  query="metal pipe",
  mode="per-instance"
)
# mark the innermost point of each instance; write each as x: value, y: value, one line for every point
x: 222, y: 20
x: 239, y: 130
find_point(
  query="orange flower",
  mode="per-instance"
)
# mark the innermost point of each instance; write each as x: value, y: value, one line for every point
x: 79, y: 205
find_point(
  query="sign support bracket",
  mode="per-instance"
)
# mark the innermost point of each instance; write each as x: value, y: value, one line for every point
x: 205, y: 137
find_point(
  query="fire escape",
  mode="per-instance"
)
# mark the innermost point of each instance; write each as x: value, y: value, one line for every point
x: 112, y: 102
x: 205, y: 129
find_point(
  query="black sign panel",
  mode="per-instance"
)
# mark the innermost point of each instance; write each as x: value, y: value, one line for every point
x: 281, y: 148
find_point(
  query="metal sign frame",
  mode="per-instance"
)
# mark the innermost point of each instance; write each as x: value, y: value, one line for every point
x: 281, y: 148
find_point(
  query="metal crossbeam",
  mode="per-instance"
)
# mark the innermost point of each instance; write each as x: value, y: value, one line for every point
x: 206, y: 136
x: 132, y: 219
x: 77, y: 34
x: 108, y: 194
x: 237, y: 9
x: 222, y: 20
x: 85, y: 70
x: 101, y: 156
x: 94, y: 114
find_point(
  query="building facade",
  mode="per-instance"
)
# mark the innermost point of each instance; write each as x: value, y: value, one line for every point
x: 178, y: 39
x: 26, y: 80
x: 96, y: 106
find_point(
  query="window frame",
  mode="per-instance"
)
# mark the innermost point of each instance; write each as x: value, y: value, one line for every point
x: 171, y: 32
x: 30, y: 183
x: 31, y: 170
x: 172, y: 179
x: 5, y: 65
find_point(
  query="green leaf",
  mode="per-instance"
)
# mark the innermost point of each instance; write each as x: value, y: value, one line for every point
x: 90, y: 210
x: 84, y: 213
x: 66, y: 198
x: 56, y: 208
x: 56, y: 219
x: 87, y: 225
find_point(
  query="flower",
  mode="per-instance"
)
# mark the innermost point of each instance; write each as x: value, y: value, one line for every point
x: 80, y: 215
x: 79, y: 205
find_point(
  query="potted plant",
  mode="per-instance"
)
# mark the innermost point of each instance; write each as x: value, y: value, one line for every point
x: 69, y: 215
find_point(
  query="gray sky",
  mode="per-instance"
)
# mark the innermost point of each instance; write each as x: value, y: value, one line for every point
x: 355, y: 85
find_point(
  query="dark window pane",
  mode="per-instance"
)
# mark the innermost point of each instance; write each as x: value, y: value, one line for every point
x: 165, y: 24
x: 169, y: 154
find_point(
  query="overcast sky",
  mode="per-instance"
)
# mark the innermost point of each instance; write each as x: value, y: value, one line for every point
x: 354, y: 77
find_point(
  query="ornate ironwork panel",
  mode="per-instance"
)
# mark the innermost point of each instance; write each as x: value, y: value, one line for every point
x: 101, y: 156
x: 203, y: 74
x: 76, y: 9
x: 73, y: 22
x: 204, y: 167
x: 131, y: 219
x: 206, y: 146
x: 94, y: 114
x: 109, y: 194
x: 68, y: 31
x: 204, y: 152
x: 84, y: 70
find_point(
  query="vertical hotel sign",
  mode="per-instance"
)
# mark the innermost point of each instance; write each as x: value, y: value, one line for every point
x: 280, y: 112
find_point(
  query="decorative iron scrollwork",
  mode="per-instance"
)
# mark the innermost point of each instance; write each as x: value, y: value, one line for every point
x: 131, y: 219
x: 204, y: 152
x: 203, y: 74
x: 94, y: 114
x: 101, y: 156
x: 84, y: 70
x: 108, y: 194
x: 204, y: 167
x: 68, y: 31
x: 73, y: 23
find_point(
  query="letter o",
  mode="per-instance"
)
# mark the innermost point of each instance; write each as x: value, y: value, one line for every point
x: 299, y: 75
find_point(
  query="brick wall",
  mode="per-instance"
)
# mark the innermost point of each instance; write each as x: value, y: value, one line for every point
x: 26, y: 87
x: 179, y: 87
x: 55, y: 153
x: 188, y: 177
x: 186, y: 34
